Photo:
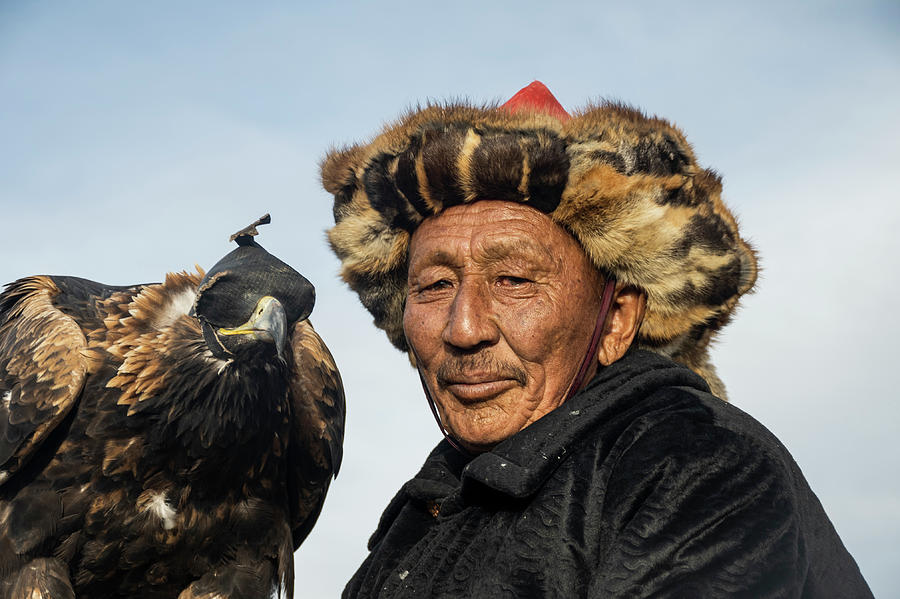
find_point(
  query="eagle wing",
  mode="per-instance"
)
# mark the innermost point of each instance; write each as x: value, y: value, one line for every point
x: 43, y: 366
x: 317, y: 428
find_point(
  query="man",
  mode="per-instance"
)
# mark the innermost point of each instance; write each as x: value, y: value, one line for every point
x: 557, y: 282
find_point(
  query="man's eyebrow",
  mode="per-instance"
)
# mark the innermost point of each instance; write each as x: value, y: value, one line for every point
x: 497, y: 250
x: 437, y: 257
x: 505, y: 249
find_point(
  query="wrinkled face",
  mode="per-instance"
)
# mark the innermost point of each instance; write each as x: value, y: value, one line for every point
x: 501, y: 307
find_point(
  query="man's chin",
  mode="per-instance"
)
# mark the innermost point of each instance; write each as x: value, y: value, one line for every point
x: 480, y: 441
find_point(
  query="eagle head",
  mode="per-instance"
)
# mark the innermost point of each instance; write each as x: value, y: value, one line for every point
x: 249, y: 300
x: 263, y: 333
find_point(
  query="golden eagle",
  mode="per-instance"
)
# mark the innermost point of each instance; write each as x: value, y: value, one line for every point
x: 163, y: 440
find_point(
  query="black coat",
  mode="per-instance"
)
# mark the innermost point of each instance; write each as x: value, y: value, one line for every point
x: 642, y: 485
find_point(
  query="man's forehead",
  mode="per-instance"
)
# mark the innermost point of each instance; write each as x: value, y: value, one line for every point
x: 488, y: 248
x: 494, y: 230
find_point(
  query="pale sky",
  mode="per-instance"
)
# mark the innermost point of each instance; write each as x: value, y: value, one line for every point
x: 135, y: 137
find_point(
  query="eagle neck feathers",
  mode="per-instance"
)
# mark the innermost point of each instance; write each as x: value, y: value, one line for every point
x: 168, y: 379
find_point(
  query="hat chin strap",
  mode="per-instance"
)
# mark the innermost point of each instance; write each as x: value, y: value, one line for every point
x: 434, y: 412
x: 609, y: 286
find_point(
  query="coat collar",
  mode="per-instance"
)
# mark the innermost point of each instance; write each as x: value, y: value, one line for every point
x: 518, y: 466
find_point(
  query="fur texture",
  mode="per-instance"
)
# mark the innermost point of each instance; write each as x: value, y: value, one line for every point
x: 625, y: 185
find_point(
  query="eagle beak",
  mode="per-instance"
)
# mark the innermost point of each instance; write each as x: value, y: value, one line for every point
x: 268, y: 323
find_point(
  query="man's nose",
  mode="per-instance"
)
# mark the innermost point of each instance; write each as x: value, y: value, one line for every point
x: 471, y: 322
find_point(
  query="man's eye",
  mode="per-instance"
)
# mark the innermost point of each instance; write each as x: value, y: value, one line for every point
x: 513, y: 281
x: 437, y: 285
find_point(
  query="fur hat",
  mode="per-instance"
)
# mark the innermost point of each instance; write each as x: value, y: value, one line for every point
x: 625, y: 185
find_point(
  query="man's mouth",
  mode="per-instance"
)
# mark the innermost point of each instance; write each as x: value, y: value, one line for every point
x: 473, y: 379
x: 478, y: 388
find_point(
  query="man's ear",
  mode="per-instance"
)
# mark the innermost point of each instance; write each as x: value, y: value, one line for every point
x: 622, y: 324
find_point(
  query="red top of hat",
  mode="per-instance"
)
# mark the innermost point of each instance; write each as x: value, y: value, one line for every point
x: 535, y: 97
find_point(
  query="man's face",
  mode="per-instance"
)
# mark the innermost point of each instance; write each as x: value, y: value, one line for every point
x: 501, y: 307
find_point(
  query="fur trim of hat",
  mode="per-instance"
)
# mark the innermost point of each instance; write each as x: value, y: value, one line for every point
x: 625, y: 185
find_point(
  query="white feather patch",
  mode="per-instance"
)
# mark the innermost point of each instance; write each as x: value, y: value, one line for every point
x: 162, y: 510
x: 223, y: 365
x: 7, y: 397
x: 178, y: 305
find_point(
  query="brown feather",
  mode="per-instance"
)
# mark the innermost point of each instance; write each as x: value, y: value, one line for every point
x: 41, y: 579
x: 317, y: 427
x: 42, y: 369
x: 143, y: 464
